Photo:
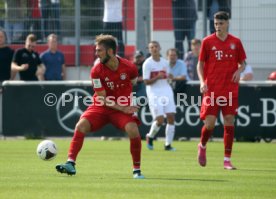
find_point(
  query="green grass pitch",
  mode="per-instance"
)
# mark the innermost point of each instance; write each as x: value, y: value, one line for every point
x: 104, y: 171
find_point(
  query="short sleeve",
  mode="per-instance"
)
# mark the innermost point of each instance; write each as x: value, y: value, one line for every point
x: 96, y: 80
x: 203, y: 54
x: 146, y: 70
x: 242, y: 55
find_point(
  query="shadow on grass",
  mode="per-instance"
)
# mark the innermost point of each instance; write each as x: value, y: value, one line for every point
x: 182, y: 179
x: 188, y: 179
x: 258, y: 170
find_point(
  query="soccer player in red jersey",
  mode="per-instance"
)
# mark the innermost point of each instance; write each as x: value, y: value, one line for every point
x: 112, y: 79
x: 221, y: 61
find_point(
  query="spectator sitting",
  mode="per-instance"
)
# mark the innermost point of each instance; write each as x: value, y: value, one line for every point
x: 53, y: 59
x: 247, y: 74
x: 191, y: 59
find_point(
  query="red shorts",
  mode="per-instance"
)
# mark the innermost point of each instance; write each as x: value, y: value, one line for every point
x: 228, y: 107
x: 99, y: 116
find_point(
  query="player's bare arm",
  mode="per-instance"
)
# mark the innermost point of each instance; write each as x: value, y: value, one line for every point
x: 112, y: 104
x: 236, y: 75
x: 203, y: 86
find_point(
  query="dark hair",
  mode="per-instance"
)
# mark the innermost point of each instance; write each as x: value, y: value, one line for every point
x: 222, y: 15
x: 108, y: 41
x: 195, y: 41
x: 173, y: 50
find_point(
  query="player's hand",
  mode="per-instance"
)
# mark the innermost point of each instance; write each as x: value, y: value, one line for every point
x: 203, y: 88
x: 236, y: 76
x: 130, y: 109
x: 161, y: 75
x: 24, y: 67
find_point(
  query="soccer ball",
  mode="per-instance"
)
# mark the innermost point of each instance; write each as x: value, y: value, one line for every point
x: 46, y: 150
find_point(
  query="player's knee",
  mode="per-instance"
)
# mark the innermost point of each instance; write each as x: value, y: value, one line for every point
x: 209, y: 126
x: 229, y: 120
x: 132, y: 130
x: 160, y: 121
x: 83, y: 126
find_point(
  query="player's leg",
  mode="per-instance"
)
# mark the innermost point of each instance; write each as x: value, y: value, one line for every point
x: 170, y: 110
x: 129, y: 124
x: 229, y: 113
x: 131, y: 129
x: 157, y: 113
x: 208, y: 114
x: 91, y: 120
x: 82, y: 127
x: 169, y: 132
x: 154, y: 129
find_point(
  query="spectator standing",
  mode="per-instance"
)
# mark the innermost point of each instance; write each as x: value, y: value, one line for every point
x: 45, y: 7
x: 247, y: 74
x: 112, y: 80
x: 6, y: 54
x: 191, y: 59
x: 178, y: 71
x: 184, y: 22
x: 34, y: 15
x: 160, y: 96
x: 220, y: 64
x: 213, y: 6
x: 140, y: 87
x: 53, y: 60
x: 55, y: 17
x: 112, y: 22
x: 15, y: 12
x: 26, y: 61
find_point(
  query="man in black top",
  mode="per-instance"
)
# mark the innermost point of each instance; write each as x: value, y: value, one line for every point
x: 6, y: 54
x: 27, y: 62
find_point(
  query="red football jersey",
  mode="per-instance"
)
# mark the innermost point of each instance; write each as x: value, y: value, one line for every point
x: 117, y: 84
x: 221, y: 60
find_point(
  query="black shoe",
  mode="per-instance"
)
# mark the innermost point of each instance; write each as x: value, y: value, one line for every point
x: 138, y: 175
x: 169, y: 148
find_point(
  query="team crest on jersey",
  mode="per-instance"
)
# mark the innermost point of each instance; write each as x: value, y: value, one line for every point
x: 232, y: 46
x: 123, y: 76
x: 106, y: 79
x: 214, y: 48
x: 34, y: 56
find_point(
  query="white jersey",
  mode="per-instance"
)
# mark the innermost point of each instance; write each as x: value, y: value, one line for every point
x: 150, y: 69
x: 160, y: 94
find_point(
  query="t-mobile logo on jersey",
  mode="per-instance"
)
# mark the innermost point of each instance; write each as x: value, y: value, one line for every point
x: 219, y: 54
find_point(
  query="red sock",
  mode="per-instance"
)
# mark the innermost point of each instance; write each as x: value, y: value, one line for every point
x: 135, y: 150
x: 76, y: 145
x: 228, y: 140
x: 205, y: 135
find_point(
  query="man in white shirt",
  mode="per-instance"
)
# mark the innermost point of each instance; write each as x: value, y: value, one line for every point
x: 112, y: 22
x: 160, y: 95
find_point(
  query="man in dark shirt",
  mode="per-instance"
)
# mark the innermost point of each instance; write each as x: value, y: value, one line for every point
x: 27, y: 62
x: 6, y: 54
